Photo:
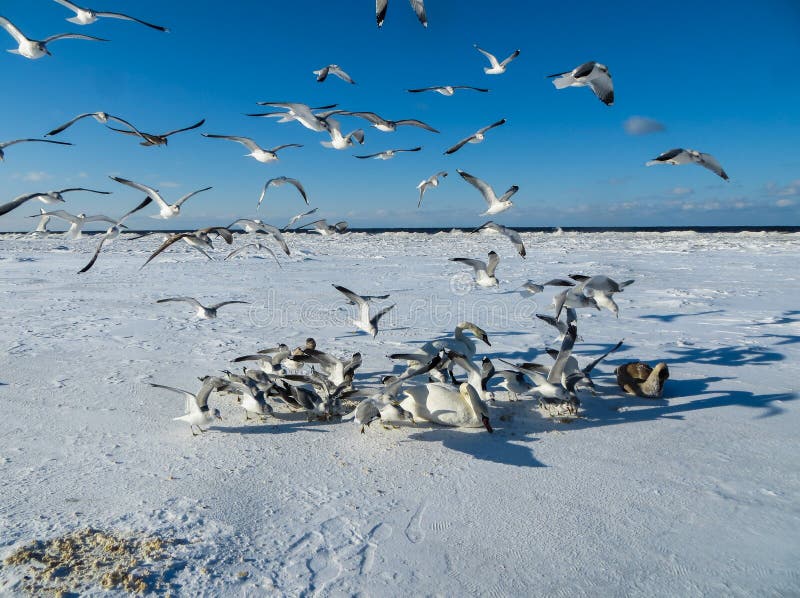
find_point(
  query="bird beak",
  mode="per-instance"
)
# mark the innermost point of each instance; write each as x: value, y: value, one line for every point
x: 487, y: 425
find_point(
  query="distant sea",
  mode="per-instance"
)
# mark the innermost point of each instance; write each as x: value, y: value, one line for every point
x: 525, y: 229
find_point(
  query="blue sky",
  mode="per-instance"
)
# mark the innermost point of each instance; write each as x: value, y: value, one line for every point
x: 721, y: 76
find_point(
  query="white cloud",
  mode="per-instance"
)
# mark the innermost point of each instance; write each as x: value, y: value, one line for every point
x: 33, y: 176
x: 784, y: 203
x: 682, y: 191
x: 641, y: 125
x: 169, y: 184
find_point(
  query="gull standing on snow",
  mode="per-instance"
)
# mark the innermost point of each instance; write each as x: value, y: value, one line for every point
x: 112, y: 233
x: 256, y: 152
x: 152, y: 139
x: 593, y: 74
x: 167, y: 210
x: 49, y: 197
x: 5, y: 144
x: 333, y: 69
x: 101, y: 117
x: 197, y: 412
x: 689, y: 156
x: 496, y: 68
x: 431, y: 181
x: 34, y: 48
x: 277, y: 182
x: 87, y: 16
x: 496, y: 204
x: 203, y: 312
x: 389, y: 126
x: 417, y: 5
x: 484, y: 272
x: 77, y: 221
x: 511, y: 234
x: 476, y: 137
x: 447, y: 90
x: 388, y: 154
x: 364, y: 322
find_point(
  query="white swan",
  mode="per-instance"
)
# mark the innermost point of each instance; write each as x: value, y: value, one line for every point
x: 441, y: 404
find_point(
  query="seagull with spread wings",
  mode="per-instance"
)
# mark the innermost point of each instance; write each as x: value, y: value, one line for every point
x: 364, y: 322
x: 496, y: 68
x: 34, y: 48
x: 689, y: 156
x: 256, y: 152
x: 167, y: 210
x: 152, y: 139
x: 5, y: 144
x: 496, y: 204
x: 476, y: 137
x: 593, y: 74
x: 87, y: 16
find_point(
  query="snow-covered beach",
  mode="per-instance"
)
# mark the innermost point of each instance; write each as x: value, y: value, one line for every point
x: 693, y: 494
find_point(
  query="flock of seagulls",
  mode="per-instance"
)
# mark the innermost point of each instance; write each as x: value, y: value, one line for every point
x: 321, y: 383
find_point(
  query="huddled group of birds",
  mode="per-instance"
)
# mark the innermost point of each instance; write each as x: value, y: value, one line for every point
x: 317, y: 382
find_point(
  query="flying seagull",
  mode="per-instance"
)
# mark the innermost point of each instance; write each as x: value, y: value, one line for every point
x: 431, y: 181
x: 77, y: 221
x: 113, y: 232
x: 203, y: 312
x: 87, y: 16
x: 302, y: 113
x: 151, y: 139
x: 689, y: 156
x: 325, y: 229
x: 5, y: 144
x: 496, y: 68
x: 512, y: 235
x: 257, y: 246
x: 593, y: 74
x: 476, y: 137
x: 339, y: 141
x: 256, y: 152
x: 388, y: 126
x: 257, y: 226
x: 388, y: 154
x: 34, y: 48
x: 101, y: 117
x: 333, y: 69
x: 50, y: 197
x: 197, y: 239
x: 277, y: 182
x: 417, y: 5
x: 167, y: 210
x: 496, y: 204
x: 297, y: 217
x: 364, y: 322
x: 447, y: 90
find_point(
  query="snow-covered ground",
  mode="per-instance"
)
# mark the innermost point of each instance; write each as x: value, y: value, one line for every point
x: 695, y: 494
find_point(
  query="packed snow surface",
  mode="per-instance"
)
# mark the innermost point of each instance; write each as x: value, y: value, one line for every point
x: 693, y: 494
